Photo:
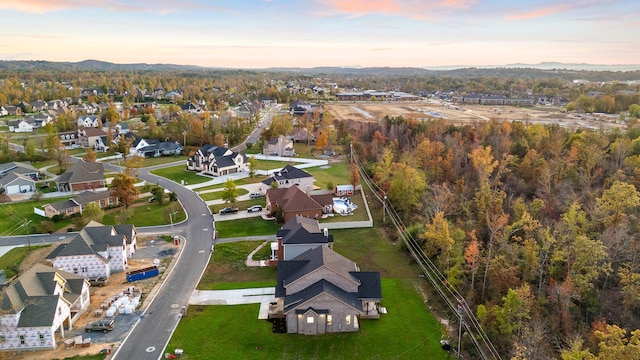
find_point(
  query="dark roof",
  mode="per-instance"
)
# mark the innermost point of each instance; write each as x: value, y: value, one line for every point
x: 301, y: 230
x: 370, y: 287
x: 323, y: 199
x: 292, y: 199
x: 287, y: 173
x: 83, y: 171
x: 291, y: 302
x: 63, y: 205
x: 10, y: 177
x: 18, y: 168
x: 86, y: 197
x: 77, y: 246
x: 39, y: 311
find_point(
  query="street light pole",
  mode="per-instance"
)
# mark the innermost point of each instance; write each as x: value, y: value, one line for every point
x: 459, y: 329
x: 184, y: 138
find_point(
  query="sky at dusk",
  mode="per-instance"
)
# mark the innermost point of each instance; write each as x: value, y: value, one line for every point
x: 310, y: 33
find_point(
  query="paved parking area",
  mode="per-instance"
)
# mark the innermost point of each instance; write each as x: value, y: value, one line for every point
x: 262, y: 296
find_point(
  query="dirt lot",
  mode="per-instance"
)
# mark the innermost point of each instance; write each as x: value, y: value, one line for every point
x: 148, y: 250
x: 462, y: 113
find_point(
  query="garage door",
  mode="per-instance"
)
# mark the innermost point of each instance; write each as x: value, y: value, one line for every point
x: 13, y: 189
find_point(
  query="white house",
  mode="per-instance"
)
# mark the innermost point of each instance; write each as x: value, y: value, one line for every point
x: 14, y: 183
x: 217, y: 161
x: 88, y: 121
x: 98, y: 250
x: 40, y: 303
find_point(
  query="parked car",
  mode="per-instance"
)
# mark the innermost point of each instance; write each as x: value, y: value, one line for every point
x: 103, y: 325
x: 228, y: 210
x: 256, y: 195
x: 152, y: 199
x: 255, y: 208
x: 99, y: 281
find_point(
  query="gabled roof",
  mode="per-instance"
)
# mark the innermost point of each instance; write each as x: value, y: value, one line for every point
x: 11, y: 177
x: 33, y: 294
x: 63, y: 205
x: 91, y: 132
x: 302, y: 230
x: 321, y: 287
x: 93, y: 238
x: 86, y: 197
x: 83, y: 171
x: 287, y: 173
x: 312, y: 260
x: 292, y: 199
x: 17, y: 167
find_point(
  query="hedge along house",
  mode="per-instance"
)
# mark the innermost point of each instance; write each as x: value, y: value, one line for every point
x: 41, y: 302
x: 98, y: 250
x: 320, y: 291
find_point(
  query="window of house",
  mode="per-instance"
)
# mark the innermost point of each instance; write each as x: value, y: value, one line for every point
x: 59, y: 311
x: 75, y: 270
x: 329, y: 319
x: 84, y: 269
x: 310, y: 320
x: 41, y: 337
x: 21, y: 339
x: 3, y: 339
x: 348, y: 319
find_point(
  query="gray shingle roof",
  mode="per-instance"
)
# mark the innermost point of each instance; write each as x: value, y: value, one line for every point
x: 323, y: 286
x: 287, y: 173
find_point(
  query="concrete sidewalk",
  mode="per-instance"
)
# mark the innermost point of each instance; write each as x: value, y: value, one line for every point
x: 262, y: 296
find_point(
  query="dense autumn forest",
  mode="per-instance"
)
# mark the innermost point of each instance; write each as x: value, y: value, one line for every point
x: 536, y: 225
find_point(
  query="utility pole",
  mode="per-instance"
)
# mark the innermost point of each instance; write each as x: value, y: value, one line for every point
x: 459, y: 328
x: 26, y: 225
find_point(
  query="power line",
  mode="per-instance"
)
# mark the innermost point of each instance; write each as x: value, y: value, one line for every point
x: 439, y: 282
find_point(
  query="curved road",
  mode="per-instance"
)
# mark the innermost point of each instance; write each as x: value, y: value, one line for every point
x: 150, y: 335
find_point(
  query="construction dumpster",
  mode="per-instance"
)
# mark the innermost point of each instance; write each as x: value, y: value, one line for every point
x: 142, y: 274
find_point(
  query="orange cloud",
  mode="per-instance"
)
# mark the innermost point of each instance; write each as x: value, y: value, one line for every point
x: 415, y: 9
x: 156, y: 6
x: 540, y: 12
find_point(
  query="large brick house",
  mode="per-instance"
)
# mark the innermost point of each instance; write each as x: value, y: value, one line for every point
x: 292, y: 201
x: 82, y: 176
x: 40, y: 303
x: 321, y: 291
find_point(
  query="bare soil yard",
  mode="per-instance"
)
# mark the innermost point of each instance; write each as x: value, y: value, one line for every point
x: 463, y: 113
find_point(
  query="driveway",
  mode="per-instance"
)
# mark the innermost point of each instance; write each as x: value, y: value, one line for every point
x: 262, y: 296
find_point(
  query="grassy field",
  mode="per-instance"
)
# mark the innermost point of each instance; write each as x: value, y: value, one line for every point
x: 227, y: 267
x: 12, y: 216
x: 336, y: 174
x: 217, y: 195
x: 10, y: 261
x: 238, y: 182
x: 180, y: 173
x: 246, y: 227
x: 408, y: 331
x: 271, y: 164
x: 149, y: 214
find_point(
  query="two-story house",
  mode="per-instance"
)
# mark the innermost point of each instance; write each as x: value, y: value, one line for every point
x: 217, y: 161
x: 39, y: 304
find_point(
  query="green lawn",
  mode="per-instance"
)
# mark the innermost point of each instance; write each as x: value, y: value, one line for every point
x: 12, y: 216
x: 408, y: 331
x: 336, y: 174
x: 41, y: 164
x: 243, y: 181
x: 10, y: 261
x: 227, y: 267
x: 271, y: 164
x: 246, y: 227
x: 150, y: 214
x: 217, y: 195
x: 180, y: 173
x: 163, y: 160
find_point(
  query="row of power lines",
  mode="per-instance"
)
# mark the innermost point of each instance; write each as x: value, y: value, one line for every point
x: 450, y: 297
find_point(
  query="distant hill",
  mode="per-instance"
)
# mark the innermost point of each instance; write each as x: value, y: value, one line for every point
x: 549, y: 66
x: 542, y: 70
